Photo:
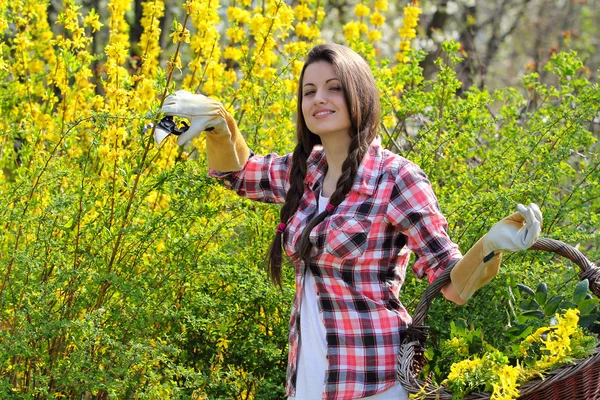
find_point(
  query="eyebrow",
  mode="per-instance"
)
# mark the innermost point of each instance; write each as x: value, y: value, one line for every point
x: 327, y: 81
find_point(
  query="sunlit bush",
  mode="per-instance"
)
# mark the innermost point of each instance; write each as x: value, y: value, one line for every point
x: 126, y: 272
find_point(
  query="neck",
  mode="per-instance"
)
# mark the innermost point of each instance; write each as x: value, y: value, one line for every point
x: 336, y: 152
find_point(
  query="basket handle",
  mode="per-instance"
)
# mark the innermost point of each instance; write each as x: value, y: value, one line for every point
x: 588, y: 271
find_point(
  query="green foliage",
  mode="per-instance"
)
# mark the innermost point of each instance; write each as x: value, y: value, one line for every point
x: 538, y: 308
x: 545, y: 333
x: 126, y: 272
x: 484, y: 152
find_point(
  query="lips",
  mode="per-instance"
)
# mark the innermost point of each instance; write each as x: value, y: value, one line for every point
x: 322, y: 113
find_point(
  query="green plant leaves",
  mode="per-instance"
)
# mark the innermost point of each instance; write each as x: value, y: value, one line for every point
x: 552, y: 305
x: 581, y: 291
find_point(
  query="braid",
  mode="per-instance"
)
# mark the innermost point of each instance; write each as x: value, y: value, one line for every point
x: 292, y: 201
x: 357, y: 150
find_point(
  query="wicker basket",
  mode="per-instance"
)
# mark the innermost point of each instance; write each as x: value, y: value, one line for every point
x: 577, y: 381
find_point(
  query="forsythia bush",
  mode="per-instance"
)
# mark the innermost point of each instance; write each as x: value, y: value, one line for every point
x: 125, y: 272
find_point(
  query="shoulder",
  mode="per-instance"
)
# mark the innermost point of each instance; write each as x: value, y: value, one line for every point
x: 400, y: 168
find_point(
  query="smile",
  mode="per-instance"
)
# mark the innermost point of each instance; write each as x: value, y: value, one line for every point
x: 323, y: 113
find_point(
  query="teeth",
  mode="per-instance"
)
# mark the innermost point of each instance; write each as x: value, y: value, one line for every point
x: 323, y: 113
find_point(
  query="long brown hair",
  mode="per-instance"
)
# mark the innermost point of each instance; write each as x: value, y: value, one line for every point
x: 362, y: 99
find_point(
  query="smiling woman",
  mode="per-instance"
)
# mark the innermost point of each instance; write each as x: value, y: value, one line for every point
x: 352, y: 213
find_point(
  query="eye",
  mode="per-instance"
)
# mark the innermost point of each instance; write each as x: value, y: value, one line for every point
x: 308, y: 92
x: 336, y: 88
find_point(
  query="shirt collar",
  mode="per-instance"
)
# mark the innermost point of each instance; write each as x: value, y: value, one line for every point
x: 366, y: 178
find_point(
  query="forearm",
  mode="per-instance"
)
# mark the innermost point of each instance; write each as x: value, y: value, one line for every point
x: 263, y: 178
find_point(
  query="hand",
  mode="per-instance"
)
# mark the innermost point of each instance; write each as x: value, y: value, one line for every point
x: 203, y: 113
x: 518, y: 231
x: 482, y: 262
x: 226, y: 150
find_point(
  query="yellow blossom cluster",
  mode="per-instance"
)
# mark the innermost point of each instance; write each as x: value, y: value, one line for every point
x: 408, y: 30
x: 205, y: 69
x: 557, y: 341
x: 506, y: 388
x: 491, y: 367
x: 149, y: 44
x: 117, y: 52
x: 369, y: 23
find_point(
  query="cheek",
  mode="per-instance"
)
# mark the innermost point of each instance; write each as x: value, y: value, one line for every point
x: 305, y: 110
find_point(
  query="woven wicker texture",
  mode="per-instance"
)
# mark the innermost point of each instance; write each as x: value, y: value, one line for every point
x: 577, y: 381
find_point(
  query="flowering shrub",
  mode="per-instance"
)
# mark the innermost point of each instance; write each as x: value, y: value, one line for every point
x: 126, y: 272
x: 537, y: 343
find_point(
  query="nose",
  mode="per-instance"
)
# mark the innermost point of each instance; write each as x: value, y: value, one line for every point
x: 319, y: 98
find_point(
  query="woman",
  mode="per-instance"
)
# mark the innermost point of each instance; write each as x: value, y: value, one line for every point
x: 352, y: 212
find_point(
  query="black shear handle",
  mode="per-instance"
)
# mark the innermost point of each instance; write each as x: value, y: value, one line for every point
x: 170, y: 126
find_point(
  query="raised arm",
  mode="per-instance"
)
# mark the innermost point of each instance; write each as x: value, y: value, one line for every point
x: 227, y: 155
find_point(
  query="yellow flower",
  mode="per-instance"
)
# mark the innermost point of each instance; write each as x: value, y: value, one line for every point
x: 233, y: 53
x: 381, y: 5
x: 507, y: 386
x: 193, y: 7
x: 258, y: 24
x: 302, y: 12
x: 361, y: 10
x: 351, y: 30
x: 230, y: 76
x: 558, y: 342
x: 374, y: 35
x: 389, y: 121
x: 412, y: 12
x: 275, y: 108
x: 93, y: 20
x: 235, y: 34
x: 269, y: 58
x: 286, y: 15
x: 180, y: 34
x: 302, y: 29
x: 238, y: 15
x: 407, y: 33
x: 402, y: 58
x: 377, y: 19
x: 465, y: 366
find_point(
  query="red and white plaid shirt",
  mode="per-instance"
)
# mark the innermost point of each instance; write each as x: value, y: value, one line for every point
x: 359, y: 259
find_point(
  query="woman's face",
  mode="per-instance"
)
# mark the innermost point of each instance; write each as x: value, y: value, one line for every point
x: 323, y: 103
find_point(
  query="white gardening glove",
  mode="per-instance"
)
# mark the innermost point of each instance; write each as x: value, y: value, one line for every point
x: 482, y: 262
x: 516, y: 232
x: 226, y: 149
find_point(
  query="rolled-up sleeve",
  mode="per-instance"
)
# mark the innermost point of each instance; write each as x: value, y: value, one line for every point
x: 414, y: 210
x: 263, y: 178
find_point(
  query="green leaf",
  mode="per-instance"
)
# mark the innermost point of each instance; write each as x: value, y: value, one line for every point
x: 587, y: 320
x: 458, y: 328
x: 565, y: 305
x: 530, y: 304
x: 580, y: 291
x: 534, y: 314
x: 541, y: 293
x: 552, y: 305
x: 587, y: 306
x: 520, y: 331
x: 526, y: 289
x: 476, y: 345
